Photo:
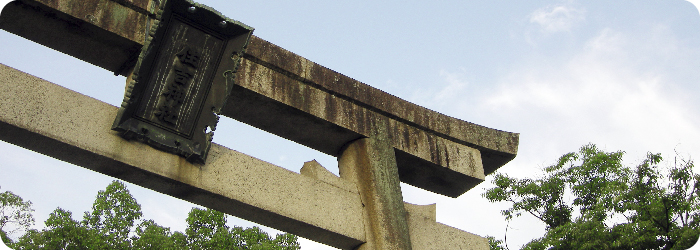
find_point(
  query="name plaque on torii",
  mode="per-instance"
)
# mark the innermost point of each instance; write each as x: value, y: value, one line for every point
x: 182, y: 79
x: 191, y: 64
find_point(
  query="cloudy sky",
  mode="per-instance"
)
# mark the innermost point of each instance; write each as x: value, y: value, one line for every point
x: 620, y: 74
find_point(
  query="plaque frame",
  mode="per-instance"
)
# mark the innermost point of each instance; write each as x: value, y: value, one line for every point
x: 183, y: 76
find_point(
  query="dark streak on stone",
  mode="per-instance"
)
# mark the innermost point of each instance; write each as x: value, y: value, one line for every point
x: 498, y: 146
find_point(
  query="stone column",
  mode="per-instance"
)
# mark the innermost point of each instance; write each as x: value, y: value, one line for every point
x: 371, y: 164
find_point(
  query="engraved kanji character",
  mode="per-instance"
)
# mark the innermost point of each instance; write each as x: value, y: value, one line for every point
x: 181, y: 76
x: 166, y: 114
x: 189, y: 56
x: 175, y: 94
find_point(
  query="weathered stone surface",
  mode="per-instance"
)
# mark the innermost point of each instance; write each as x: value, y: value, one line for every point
x: 426, y: 234
x: 371, y: 165
x: 116, y: 16
x: 49, y: 119
x: 102, y: 32
x: 314, y: 170
x: 69, y: 126
x: 300, y: 112
x: 497, y: 147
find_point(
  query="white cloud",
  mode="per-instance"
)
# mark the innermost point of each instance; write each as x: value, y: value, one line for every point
x: 612, y: 93
x: 608, y: 42
x: 454, y: 89
x: 559, y: 18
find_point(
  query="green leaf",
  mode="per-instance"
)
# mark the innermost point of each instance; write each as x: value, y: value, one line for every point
x: 590, y: 200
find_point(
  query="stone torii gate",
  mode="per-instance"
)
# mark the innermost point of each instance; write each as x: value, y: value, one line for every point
x: 379, y: 139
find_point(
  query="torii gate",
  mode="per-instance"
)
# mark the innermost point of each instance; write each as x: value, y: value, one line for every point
x: 379, y: 139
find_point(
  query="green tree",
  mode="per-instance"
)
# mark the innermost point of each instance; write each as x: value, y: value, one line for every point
x: 106, y: 226
x: 15, y: 215
x: 495, y: 244
x: 113, y: 216
x: 150, y: 235
x: 63, y: 233
x: 206, y: 229
x: 590, y: 200
x: 113, y: 223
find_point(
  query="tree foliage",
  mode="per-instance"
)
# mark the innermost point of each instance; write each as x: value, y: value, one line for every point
x: 15, y: 215
x: 590, y: 200
x: 115, y: 223
x: 207, y: 230
x: 495, y: 244
x: 113, y: 216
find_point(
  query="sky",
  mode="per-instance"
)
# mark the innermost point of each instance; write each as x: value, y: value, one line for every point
x: 619, y: 74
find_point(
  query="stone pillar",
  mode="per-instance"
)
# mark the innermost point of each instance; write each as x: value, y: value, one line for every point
x: 371, y: 164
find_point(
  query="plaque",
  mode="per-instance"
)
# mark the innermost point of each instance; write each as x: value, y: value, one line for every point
x: 182, y: 78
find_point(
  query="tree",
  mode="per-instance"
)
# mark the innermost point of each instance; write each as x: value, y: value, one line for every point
x: 207, y: 229
x: 63, y: 233
x: 495, y: 244
x: 15, y: 215
x: 590, y: 200
x: 150, y: 235
x: 113, y: 223
x: 107, y: 226
x: 114, y: 214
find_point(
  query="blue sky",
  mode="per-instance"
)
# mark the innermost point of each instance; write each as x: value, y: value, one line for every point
x: 620, y: 74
